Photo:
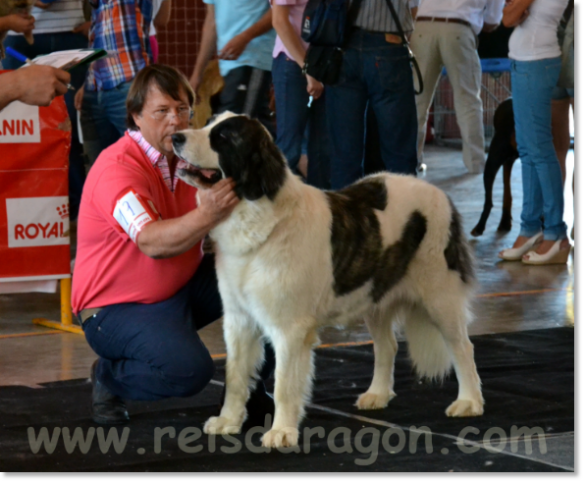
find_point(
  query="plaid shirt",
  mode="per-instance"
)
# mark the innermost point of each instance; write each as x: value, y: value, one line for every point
x: 122, y: 28
x: 157, y: 159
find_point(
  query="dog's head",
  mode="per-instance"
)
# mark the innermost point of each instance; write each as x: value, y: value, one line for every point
x: 236, y: 147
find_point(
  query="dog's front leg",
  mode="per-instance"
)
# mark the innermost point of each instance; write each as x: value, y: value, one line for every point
x: 244, y: 354
x: 294, y: 374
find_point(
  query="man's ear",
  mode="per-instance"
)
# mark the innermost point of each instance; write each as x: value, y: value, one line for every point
x: 137, y: 120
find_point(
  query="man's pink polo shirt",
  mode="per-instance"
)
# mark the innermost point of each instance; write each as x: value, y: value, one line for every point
x: 109, y: 267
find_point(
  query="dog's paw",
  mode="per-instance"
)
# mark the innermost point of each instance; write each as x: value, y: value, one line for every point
x: 465, y: 408
x: 280, y: 438
x: 370, y: 400
x: 218, y: 425
x: 477, y: 231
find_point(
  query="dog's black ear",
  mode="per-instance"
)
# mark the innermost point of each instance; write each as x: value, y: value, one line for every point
x: 249, y: 156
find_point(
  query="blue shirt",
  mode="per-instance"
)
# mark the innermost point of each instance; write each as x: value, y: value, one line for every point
x: 232, y: 17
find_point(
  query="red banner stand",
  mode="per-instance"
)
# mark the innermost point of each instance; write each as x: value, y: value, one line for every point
x: 34, y: 208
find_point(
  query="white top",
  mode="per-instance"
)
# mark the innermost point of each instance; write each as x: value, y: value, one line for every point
x: 61, y: 16
x: 536, y: 37
x: 476, y: 12
x: 155, y: 8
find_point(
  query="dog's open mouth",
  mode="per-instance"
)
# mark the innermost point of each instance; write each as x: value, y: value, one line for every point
x: 205, y: 177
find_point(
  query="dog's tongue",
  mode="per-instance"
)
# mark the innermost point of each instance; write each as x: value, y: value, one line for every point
x: 208, y: 172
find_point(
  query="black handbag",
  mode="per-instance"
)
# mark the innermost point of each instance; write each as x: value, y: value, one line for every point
x: 325, y: 26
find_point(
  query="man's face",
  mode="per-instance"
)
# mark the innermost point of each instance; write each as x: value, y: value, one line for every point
x: 161, y: 117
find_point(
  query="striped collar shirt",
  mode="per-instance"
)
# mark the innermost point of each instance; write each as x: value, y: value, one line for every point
x: 157, y: 159
x: 375, y: 16
x: 121, y: 27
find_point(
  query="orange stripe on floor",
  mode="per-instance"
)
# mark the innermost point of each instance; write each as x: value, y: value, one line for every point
x: 30, y: 334
x: 526, y: 292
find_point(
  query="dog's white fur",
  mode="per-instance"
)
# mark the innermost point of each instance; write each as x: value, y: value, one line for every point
x: 274, y: 266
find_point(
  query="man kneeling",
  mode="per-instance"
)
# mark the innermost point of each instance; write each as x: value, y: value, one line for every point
x: 142, y: 286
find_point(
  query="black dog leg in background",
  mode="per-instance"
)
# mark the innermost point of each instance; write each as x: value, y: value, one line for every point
x: 506, y: 221
x: 502, y: 152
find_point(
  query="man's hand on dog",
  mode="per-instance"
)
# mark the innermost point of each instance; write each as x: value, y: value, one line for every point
x: 218, y: 202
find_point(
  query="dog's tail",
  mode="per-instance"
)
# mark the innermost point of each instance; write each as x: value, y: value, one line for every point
x: 426, y: 346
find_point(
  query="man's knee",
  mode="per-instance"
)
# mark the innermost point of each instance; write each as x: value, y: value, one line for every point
x: 191, y: 376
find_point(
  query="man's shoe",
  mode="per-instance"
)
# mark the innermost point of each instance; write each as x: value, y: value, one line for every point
x: 106, y: 407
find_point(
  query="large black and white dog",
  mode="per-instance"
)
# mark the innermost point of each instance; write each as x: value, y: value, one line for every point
x: 292, y: 259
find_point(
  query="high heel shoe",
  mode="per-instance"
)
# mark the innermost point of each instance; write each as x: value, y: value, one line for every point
x: 555, y: 255
x: 515, y: 254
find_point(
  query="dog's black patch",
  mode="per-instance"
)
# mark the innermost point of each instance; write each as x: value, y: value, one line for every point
x: 457, y: 252
x: 248, y: 155
x: 356, y: 241
x: 396, y: 258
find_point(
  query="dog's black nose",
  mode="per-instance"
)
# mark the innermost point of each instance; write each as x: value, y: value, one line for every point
x: 178, y: 139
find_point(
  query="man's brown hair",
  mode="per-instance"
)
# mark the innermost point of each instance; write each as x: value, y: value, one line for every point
x: 168, y: 80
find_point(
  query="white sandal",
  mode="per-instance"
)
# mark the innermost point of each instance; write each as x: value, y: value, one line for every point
x: 515, y: 254
x: 556, y: 255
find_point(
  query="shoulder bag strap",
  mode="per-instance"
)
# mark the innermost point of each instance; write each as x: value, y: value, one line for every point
x: 351, y: 16
x: 406, y: 44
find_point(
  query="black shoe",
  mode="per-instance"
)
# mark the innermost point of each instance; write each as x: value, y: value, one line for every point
x: 106, y: 408
x: 258, y: 406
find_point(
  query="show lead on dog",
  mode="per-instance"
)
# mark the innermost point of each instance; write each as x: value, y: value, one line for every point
x: 141, y: 285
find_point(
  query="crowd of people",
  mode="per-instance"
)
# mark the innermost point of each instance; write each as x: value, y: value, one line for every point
x: 140, y: 232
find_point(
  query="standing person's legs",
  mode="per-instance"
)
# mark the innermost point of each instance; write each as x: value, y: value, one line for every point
x: 291, y: 98
x: 103, y: 119
x: 532, y: 85
x: 459, y: 52
x: 247, y: 91
x: 391, y: 93
x: 425, y: 46
x: 560, y: 105
x: 346, y: 107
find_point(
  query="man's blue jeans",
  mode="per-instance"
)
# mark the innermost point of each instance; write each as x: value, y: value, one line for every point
x: 293, y: 117
x: 153, y: 351
x: 103, y: 119
x: 45, y: 44
x: 379, y: 73
x: 532, y: 87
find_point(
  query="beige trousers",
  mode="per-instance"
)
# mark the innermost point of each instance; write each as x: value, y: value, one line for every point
x: 453, y: 45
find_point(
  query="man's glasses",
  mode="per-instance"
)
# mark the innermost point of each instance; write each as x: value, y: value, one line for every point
x: 183, y: 113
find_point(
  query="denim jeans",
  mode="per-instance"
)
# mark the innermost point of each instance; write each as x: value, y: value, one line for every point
x: 153, y: 351
x: 45, y: 44
x: 293, y: 117
x: 377, y: 73
x: 103, y: 119
x: 532, y: 87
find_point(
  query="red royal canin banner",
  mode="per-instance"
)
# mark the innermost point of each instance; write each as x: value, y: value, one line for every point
x: 34, y: 203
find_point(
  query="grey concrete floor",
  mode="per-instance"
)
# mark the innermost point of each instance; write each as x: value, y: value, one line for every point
x: 511, y: 296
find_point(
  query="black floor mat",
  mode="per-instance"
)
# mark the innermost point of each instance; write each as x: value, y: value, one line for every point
x: 527, y: 381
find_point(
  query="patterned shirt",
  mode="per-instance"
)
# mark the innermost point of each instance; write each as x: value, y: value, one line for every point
x: 158, y: 159
x: 375, y: 16
x: 121, y: 27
